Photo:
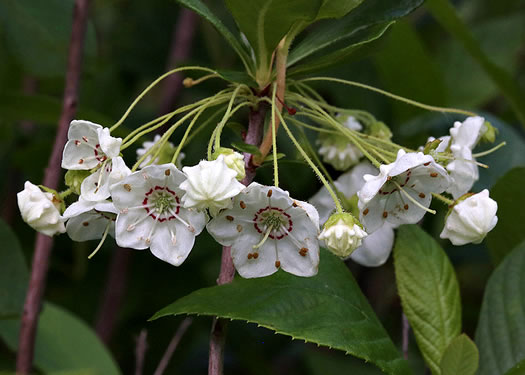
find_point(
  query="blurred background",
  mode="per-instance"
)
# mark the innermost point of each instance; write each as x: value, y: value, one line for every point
x: 129, y: 44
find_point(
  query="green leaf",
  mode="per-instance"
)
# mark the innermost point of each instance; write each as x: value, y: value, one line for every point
x: 336, y: 8
x: 370, y: 13
x: 266, y: 22
x: 446, y: 15
x: 200, y: 8
x: 14, y: 275
x: 38, y: 33
x: 328, y: 309
x: 429, y: 292
x: 269, y: 157
x: 500, y: 334
x: 508, y: 233
x: 245, y: 147
x: 63, y: 343
x: 461, y: 357
x: 519, y: 369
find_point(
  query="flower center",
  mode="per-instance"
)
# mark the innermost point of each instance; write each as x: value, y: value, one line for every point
x: 161, y: 202
x: 99, y: 155
x: 393, y: 183
x: 274, y: 219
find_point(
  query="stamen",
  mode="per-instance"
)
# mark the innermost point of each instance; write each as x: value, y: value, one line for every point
x: 294, y: 240
x: 102, y: 169
x: 152, y: 230
x: 266, y: 235
x: 101, y: 241
x: 433, y: 212
x: 170, y: 210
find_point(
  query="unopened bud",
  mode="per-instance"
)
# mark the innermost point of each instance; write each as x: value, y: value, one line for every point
x: 233, y: 160
x: 74, y: 178
x: 379, y: 129
x: 489, y: 133
x: 342, y: 234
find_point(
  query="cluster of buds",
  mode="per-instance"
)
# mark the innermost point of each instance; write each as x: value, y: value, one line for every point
x: 160, y: 205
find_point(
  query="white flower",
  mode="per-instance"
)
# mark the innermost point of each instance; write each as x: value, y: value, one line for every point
x: 402, y: 191
x: 233, y: 160
x: 377, y: 246
x: 210, y: 184
x: 471, y: 219
x: 337, y: 150
x: 40, y: 210
x: 88, y: 146
x: 96, y: 186
x: 268, y: 230
x: 467, y: 133
x: 463, y: 172
x: 165, y: 155
x: 151, y: 214
x: 342, y: 235
x: 88, y: 220
x: 348, y: 184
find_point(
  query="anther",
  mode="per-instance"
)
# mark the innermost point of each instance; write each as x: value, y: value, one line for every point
x: 433, y: 174
x: 239, y: 228
x: 242, y: 204
x: 277, y: 264
x: 77, y: 142
x: 303, y: 251
x: 127, y: 187
x: 85, y: 223
x: 365, y: 212
x: 422, y: 195
x: 81, y: 161
x: 427, y: 164
x: 167, y: 172
x: 405, y: 206
x: 84, y: 138
x: 269, y: 194
x: 255, y: 255
x: 385, y: 214
x: 250, y: 255
x: 294, y: 204
x: 229, y: 218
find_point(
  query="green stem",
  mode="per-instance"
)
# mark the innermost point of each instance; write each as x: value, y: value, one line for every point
x: 274, y: 140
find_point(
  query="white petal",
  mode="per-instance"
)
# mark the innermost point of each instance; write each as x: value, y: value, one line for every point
x: 79, y: 151
x: 88, y: 226
x: 376, y: 247
x: 132, y: 229
x: 467, y: 133
x: 109, y: 145
x: 250, y: 267
x: 169, y: 248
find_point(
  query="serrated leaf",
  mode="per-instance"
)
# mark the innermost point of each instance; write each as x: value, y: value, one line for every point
x: 328, y: 309
x: 245, y: 147
x: 500, y: 334
x: 201, y: 9
x: 266, y: 22
x: 63, y: 343
x: 14, y: 275
x: 368, y: 14
x: 461, y: 357
x: 38, y: 33
x: 429, y: 292
x: 510, y: 195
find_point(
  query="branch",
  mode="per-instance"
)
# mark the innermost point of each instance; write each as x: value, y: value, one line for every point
x: 405, y: 334
x: 140, y: 351
x: 113, y: 294
x: 227, y: 272
x: 43, y: 244
x: 172, y: 346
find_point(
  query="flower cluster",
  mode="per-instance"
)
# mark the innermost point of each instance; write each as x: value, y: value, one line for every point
x: 159, y: 205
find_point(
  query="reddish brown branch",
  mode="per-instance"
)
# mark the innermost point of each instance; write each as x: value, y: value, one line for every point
x: 163, y: 364
x: 140, y: 351
x: 52, y: 175
x: 182, y: 42
x: 113, y: 295
x: 227, y: 272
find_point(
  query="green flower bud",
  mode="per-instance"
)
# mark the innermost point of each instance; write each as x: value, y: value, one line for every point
x: 342, y: 234
x: 233, y: 160
x: 489, y: 132
x: 74, y: 178
x: 379, y: 129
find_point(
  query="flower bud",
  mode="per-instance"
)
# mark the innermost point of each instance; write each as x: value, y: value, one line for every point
x: 74, y: 178
x: 40, y: 210
x: 488, y: 132
x: 470, y: 219
x: 379, y: 129
x: 342, y: 234
x: 233, y: 160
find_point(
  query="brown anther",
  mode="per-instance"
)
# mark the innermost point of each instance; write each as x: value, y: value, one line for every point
x: 85, y: 223
x: 294, y: 204
x: 77, y: 142
x: 365, y: 212
x: 385, y: 214
x: 167, y: 172
x: 239, y: 228
x: 427, y: 164
x: 250, y: 255
x: 277, y: 264
x: 255, y: 255
x: 389, y: 178
x: 229, y: 218
x: 81, y: 161
x: 422, y: 195
x: 433, y: 174
x: 84, y: 138
x: 405, y: 206
x: 242, y: 204
x: 269, y: 194
x: 127, y: 187
x: 303, y: 251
